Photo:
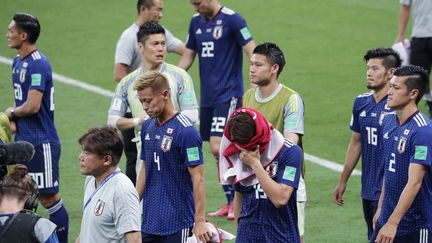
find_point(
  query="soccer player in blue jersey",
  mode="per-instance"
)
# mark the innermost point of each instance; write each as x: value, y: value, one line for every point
x: 218, y: 35
x: 266, y: 211
x: 32, y: 115
x: 404, y: 211
x: 171, y: 181
x: 366, y: 137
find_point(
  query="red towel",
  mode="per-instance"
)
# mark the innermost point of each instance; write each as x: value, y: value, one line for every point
x: 262, y: 135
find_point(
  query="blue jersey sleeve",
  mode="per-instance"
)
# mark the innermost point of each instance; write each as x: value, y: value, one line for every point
x: 354, y: 124
x: 421, y: 148
x: 241, y: 31
x: 191, y: 41
x: 191, y: 147
x: 40, y: 73
x: 289, y: 167
x: 144, y: 127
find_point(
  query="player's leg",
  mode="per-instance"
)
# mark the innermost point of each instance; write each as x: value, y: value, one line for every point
x: 421, y: 55
x: 130, y: 151
x: 369, y: 209
x: 220, y: 116
x: 206, y: 116
x: 44, y: 168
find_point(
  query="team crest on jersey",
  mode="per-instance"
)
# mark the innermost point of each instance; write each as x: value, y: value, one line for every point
x: 272, y: 169
x: 100, y: 205
x: 402, y: 143
x: 166, y: 143
x: 217, y: 32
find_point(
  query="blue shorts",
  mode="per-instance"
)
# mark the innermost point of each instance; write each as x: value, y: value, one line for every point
x: 179, y: 237
x: 44, y: 168
x: 214, y: 118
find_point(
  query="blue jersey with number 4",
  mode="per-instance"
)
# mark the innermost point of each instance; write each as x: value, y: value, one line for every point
x: 218, y: 43
x: 367, y: 117
x: 404, y: 144
x: 168, y: 150
x: 33, y: 72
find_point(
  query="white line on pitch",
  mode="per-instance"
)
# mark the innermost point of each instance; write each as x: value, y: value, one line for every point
x: 98, y: 90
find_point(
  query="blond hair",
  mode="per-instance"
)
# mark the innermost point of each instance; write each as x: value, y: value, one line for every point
x: 153, y: 79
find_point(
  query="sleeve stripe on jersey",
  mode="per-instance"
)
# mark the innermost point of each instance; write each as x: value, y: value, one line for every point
x: 289, y: 144
x: 293, y: 103
x: 419, y: 119
x: 36, y: 55
x: 183, y: 120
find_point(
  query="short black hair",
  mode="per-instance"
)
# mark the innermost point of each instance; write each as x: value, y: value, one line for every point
x: 273, y: 53
x: 147, y: 29
x: 390, y: 57
x: 417, y: 78
x: 29, y: 24
x: 146, y: 3
x: 103, y: 141
x: 242, y: 127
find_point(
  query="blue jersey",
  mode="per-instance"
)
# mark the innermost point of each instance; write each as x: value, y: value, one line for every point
x: 168, y: 150
x: 367, y: 117
x: 407, y: 143
x: 218, y: 43
x: 260, y: 220
x: 33, y: 72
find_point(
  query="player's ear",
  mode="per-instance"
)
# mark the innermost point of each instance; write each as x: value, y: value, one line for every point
x: 107, y: 160
x: 390, y: 73
x: 275, y: 68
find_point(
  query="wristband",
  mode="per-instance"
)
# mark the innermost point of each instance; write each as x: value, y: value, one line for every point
x: 12, y: 111
x: 135, y: 122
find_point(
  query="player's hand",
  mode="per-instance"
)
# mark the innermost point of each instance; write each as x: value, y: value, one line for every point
x: 375, y: 218
x: 249, y: 158
x: 338, y: 194
x: 201, y: 232
x: 386, y: 233
x: 8, y: 112
x: 13, y: 127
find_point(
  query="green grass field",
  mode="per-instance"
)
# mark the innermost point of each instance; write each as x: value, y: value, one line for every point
x: 323, y: 41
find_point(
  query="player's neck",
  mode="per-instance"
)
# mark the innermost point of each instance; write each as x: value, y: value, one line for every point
x: 406, y: 112
x: 216, y: 10
x: 99, y: 178
x: 10, y: 205
x: 167, y: 114
x: 268, y: 89
x: 381, y: 93
x: 26, y: 49
x: 151, y: 66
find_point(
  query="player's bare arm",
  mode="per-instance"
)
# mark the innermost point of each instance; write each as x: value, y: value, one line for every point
x: 200, y: 229
x: 351, y: 158
x: 278, y: 193
x: 187, y: 59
